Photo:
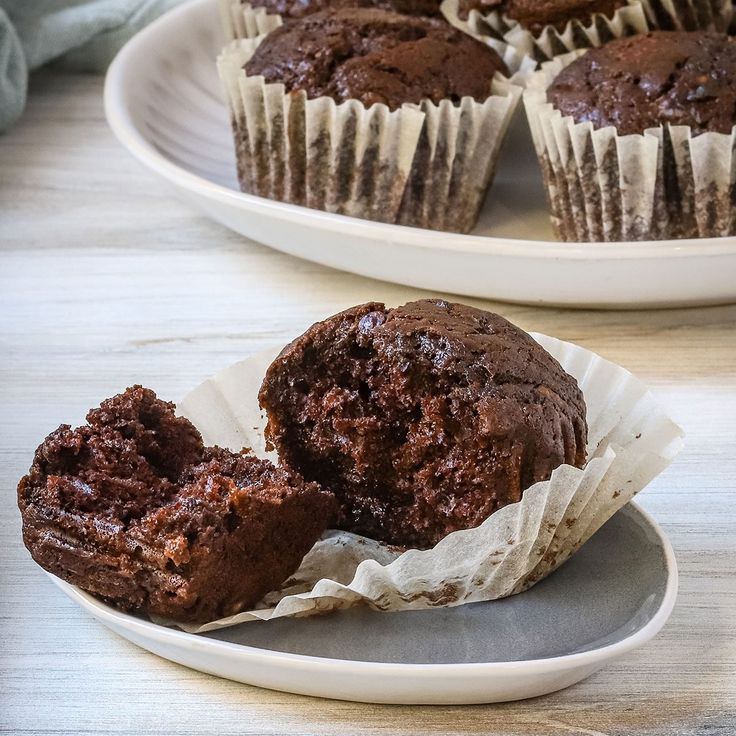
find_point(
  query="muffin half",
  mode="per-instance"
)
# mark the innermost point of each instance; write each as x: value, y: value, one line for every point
x: 132, y: 507
x: 423, y: 419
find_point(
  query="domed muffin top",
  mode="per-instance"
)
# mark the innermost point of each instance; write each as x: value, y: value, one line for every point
x: 376, y: 56
x: 664, y: 77
x: 300, y: 8
x: 423, y: 419
x: 535, y: 15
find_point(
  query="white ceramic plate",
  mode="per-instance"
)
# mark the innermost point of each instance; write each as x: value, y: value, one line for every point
x: 163, y: 101
x: 612, y: 596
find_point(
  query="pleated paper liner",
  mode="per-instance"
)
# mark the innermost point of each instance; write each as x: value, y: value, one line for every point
x: 638, y: 17
x: 631, y: 440
x: 241, y: 20
x: 425, y: 165
x: 663, y: 184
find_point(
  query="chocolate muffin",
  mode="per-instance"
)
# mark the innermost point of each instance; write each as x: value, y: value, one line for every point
x: 376, y: 56
x: 663, y: 77
x: 300, y: 8
x: 536, y: 15
x: 423, y: 419
x: 132, y: 507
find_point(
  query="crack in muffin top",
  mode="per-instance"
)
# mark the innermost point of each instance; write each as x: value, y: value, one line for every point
x: 675, y: 77
x: 376, y: 56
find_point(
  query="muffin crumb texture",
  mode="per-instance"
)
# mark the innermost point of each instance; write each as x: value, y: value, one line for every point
x: 133, y: 507
x: 641, y: 82
x: 423, y: 419
x: 376, y: 56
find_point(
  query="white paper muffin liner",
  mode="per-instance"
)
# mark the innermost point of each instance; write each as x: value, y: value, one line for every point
x: 638, y: 17
x: 630, y: 441
x: 601, y: 186
x: 241, y: 20
x: 424, y: 165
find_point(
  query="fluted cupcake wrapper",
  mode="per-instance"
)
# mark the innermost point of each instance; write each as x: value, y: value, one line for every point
x: 688, y: 15
x: 244, y: 21
x: 601, y: 186
x: 631, y: 440
x: 425, y: 165
x: 639, y: 17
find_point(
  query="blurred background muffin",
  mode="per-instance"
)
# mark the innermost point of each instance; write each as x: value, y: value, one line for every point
x: 635, y: 138
x: 370, y: 113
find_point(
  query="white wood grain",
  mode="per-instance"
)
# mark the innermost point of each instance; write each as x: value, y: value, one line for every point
x: 106, y: 280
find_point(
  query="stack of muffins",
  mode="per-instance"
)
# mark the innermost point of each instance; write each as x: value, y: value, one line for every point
x: 395, y: 111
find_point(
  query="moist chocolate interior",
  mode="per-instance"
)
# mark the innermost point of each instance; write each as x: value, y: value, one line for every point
x: 422, y: 420
x: 134, y: 456
x: 134, y: 508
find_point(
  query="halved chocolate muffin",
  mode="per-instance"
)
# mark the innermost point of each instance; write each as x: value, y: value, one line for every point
x: 423, y: 419
x: 132, y: 507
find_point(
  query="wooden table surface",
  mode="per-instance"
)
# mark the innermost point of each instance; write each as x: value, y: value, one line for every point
x: 106, y: 279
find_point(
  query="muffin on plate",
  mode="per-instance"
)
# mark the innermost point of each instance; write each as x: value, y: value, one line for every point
x: 549, y: 28
x: 636, y: 138
x: 423, y: 419
x: 370, y: 113
x: 250, y: 18
x: 133, y: 508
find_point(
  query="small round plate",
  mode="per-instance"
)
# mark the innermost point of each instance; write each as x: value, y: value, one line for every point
x: 163, y: 102
x: 612, y: 596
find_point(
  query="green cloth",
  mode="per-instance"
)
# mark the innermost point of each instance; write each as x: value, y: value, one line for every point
x: 83, y: 34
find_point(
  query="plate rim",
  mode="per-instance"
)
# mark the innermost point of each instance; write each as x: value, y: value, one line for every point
x: 167, y: 635
x: 128, y: 134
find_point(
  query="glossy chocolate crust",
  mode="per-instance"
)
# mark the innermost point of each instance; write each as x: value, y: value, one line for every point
x: 375, y: 56
x: 675, y: 77
x: 300, y: 8
x: 422, y: 419
x: 132, y: 507
x: 535, y: 15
